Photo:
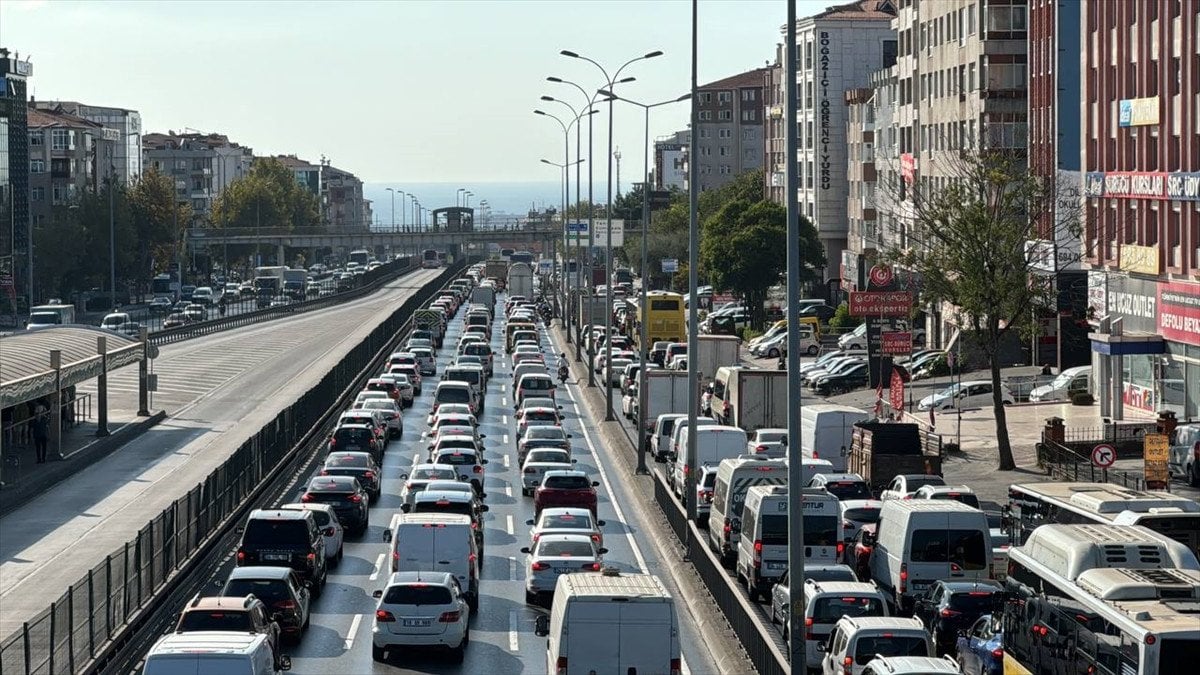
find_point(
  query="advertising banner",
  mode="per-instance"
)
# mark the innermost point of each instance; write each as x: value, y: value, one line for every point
x: 880, y: 303
x: 1155, y: 448
x: 1138, y: 112
x: 1179, y: 311
x: 896, y: 390
x: 896, y: 342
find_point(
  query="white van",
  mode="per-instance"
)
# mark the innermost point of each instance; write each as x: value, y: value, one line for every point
x: 713, y: 444
x: 115, y: 320
x: 672, y: 449
x: 826, y: 430
x: 436, y: 542
x: 920, y: 541
x: 854, y: 642
x: 825, y: 602
x: 1077, y: 380
x: 762, y: 555
x: 213, y: 653
x: 611, y: 623
x: 734, y: 477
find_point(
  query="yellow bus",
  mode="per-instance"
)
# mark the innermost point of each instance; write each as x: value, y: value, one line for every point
x: 664, y: 318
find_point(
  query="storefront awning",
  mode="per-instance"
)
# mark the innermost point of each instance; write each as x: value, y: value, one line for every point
x: 1128, y: 344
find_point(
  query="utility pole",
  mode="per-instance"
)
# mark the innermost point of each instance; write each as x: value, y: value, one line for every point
x: 617, y: 157
x: 693, y: 332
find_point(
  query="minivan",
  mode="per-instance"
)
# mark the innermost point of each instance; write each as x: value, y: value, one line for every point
x: 472, y: 376
x: 762, y: 555
x: 436, y: 542
x: 213, y: 652
x: 734, y: 477
x: 855, y: 641
x: 452, y: 391
x: 920, y: 541
x: 713, y: 444
x: 1072, y: 381
x: 825, y: 602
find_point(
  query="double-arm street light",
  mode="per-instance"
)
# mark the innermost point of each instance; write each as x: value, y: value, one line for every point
x: 609, y: 83
x: 566, y: 191
x: 643, y: 441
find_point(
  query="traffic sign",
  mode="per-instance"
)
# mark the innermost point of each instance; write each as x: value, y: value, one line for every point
x: 670, y: 265
x: 1103, y: 456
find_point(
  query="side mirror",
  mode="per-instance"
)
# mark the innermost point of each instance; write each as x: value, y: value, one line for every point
x: 821, y: 647
x: 387, y: 534
x: 595, y: 484
x: 406, y: 507
x: 483, y: 507
x: 541, y: 625
x: 277, y: 617
x: 483, y: 435
x: 308, y: 584
x: 560, y: 407
x: 602, y: 550
x: 574, y: 461
x: 525, y: 549
x: 529, y: 522
x: 600, y: 523
x: 377, y: 593
x: 483, y: 461
x: 570, y: 435
x: 285, y: 662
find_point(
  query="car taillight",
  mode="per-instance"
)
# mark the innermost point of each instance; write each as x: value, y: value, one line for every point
x: 384, y: 616
x: 947, y: 612
x: 449, y: 617
x: 332, y: 442
x: 907, y: 496
x: 760, y: 448
x: 324, y: 472
x: 596, y: 538
x: 306, y: 497
x: 728, y: 529
x: 841, y: 549
x: 537, y: 536
x: 328, y: 531
x: 478, y: 468
x: 369, y: 475
x: 539, y: 566
x: 560, y: 666
x: 595, y: 567
x: 355, y: 498
x: 757, y: 553
x: 530, y: 470
x: 848, y: 664
x: 997, y: 653
x: 241, y: 556
x: 310, y: 557
x: 903, y: 577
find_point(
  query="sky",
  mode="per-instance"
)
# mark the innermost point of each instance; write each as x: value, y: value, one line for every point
x: 395, y: 92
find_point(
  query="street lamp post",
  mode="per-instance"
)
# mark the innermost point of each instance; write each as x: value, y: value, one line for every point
x: 393, y: 191
x: 609, y: 84
x: 643, y: 337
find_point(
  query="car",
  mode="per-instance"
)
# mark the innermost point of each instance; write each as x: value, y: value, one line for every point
x: 532, y: 402
x: 410, y: 371
x: 565, y: 488
x: 203, y: 296
x: 856, y: 513
x: 538, y: 462
x: 859, y: 548
x: 286, y: 538
x: 904, y: 485
x: 554, y: 555
x: 781, y: 594
x: 450, y: 391
x: 973, y: 394
x: 658, y: 353
x: 356, y: 438
x: 386, y: 386
x: 421, y: 476
x: 450, y: 418
x: 949, y: 607
x: 331, y: 529
x: 1184, y: 453
x: 853, y: 376
x: 373, y: 418
x: 542, y: 437
x: 391, y: 413
x: 287, y: 598
x: 770, y: 442
x: 842, y: 485
x: 449, y: 409
x: 197, y: 311
x: 469, y: 464
x: 911, y: 665
x: 176, y: 320
x: 426, y: 360
x: 470, y: 441
x: 346, y: 495
x: 537, y: 417
x: 160, y: 305
x: 980, y: 650
x: 420, y: 609
x: 241, y: 614
x: 959, y: 493
x: 405, y: 386
x: 533, y: 385
x: 447, y: 497
x: 565, y: 521
x: 359, y: 465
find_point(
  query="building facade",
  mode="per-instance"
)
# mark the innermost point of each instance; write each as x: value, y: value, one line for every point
x: 670, y: 161
x: 729, y: 132
x: 308, y: 175
x: 861, y: 176
x: 774, y: 130
x: 343, y: 206
x: 202, y: 166
x: 68, y: 155
x: 127, y: 150
x: 838, y: 50
x: 16, y: 277
x: 1141, y: 163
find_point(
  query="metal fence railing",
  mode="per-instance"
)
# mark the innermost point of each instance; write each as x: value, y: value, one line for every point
x: 1117, y: 432
x: 73, y: 630
x: 1062, y: 462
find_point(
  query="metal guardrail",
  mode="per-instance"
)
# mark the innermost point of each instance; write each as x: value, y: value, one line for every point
x: 96, y: 616
x: 1061, y: 462
x: 498, y: 226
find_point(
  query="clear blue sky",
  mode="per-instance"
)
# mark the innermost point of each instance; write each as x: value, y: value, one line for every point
x: 393, y: 91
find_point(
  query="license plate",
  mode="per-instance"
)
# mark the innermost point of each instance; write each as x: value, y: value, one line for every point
x: 416, y: 623
x: 276, y: 556
x: 777, y: 566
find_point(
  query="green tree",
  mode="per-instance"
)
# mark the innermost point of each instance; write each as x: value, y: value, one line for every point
x: 267, y: 196
x: 159, y: 221
x: 971, y: 252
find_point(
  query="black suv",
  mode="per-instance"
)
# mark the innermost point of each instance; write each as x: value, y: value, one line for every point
x: 952, y: 606
x: 287, y: 598
x: 275, y: 537
x: 347, y: 497
x: 356, y: 438
x: 359, y: 465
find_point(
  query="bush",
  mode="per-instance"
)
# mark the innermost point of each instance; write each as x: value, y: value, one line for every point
x: 747, y: 333
x: 842, y: 319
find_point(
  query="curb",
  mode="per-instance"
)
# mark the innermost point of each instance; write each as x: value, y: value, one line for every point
x: 54, y: 472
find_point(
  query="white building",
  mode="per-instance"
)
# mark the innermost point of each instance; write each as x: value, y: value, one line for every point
x: 838, y: 49
x: 127, y: 153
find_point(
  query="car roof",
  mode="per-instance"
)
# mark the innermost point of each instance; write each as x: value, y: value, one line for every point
x: 566, y: 537
x: 260, y: 572
x: 223, y: 602
x: 308, y: 506
x: 566, y: 511
x: 428, y: 495
x: 344, y: 482
x: 840, y: 477
x: 947, y: 488
x: 277, y: 514
x: 565, y: 472
x: 403, y: 578
x: 967, y: 586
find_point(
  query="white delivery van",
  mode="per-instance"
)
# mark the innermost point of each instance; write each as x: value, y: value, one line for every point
x: 762, y: 555
x: 826, y: 430
x: 920, y: 541
x: 611, y: 623
x: 213, y: 653
x: 713, y: 444
x: 1077, y: 380
x: 672, y: 449
x: 734, y: 477
x: 436, y: 542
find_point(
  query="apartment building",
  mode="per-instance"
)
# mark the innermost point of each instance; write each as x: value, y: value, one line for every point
x: 774, y: 130
x: 202, y: 165
x: 15, y: 223
x: 308, y: 175
x: 1141, y: 163
x: 729, y: 136
x: 342, y: 204
x: 127, y: 149
x: 68, y: 155
x: 861, y: 177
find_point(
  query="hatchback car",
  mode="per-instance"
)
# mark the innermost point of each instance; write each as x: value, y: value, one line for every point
x: 842, y: 485
x: 958, y: 493
x: 948, y: 607
x: 391, y: 413
x: 245, y: 614
x: 768, y: 442
x: 420, y: 609
x: 538, y: 462
x: 565, y: 521
x: 347, y: 497
x: 449, y: 409
x: 426, y: 361
x: 980, y: 650
x: 542, y: 437
x: 565, y: 488
x: 537, y: 417
x: 554, y: 555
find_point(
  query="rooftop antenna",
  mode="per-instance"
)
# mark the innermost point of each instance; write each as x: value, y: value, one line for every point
x: 617, y: 156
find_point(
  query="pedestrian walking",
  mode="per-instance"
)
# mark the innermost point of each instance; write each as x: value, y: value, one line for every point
x: 41, y: 430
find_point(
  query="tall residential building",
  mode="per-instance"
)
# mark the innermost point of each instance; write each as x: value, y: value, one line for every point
x: 15, y: 224
x: 729, y: 132
x: 838, y: 49
x: 342, y: 203
x: 670, y: 161
x: 961, y: 76
x: 68, y: 156
x: 1141, y: 158
x: 861, y: 176
x: 127, y: 150
x: 202, y: 165
x: 308, y: 175
x: 774, y: 130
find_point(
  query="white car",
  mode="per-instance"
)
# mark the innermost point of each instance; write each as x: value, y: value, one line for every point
x: 556, y: 554
x: 449, y: 409
x: 404, y: 385
x: 565, y: 520
x: 453, y: 419
x: 768, y: 442
x: 426, y: 361
x: 973, y: 394
x: 538, y: 462
x: 855, y: 514
x: 421, y: 609
x: 391, y: 414
x: 331, y: 528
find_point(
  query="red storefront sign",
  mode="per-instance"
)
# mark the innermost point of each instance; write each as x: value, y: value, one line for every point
x: 896, y: 342
x: 1179, y: 311
x: 896, y: 390
x: 880, y: 303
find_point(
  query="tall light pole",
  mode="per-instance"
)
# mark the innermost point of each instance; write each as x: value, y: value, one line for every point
x: 402, y: 199
x: 691, y: 471
x: 565, y: 191
x: 643, y: 337
x: 467, y: 199
x: 112, y: 234
x: 458, y: 196
x: 608, y: 269
x: 393, y: 191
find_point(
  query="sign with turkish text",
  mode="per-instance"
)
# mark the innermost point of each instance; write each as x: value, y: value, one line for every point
x: 825, y: 128
x: 1179, y: 311
x: 908, y: 167
x: 896, y: 390
x: 896, y: 342
x: 1143, y: 259
x: 1178, y: 186
x: 1155, y: 449
x: 880, y: 303
x: 670, y: 265
x: 1137, y: 112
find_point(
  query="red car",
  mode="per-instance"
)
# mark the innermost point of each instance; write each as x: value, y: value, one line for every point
x: 858, y: 551
x: 565, y: 488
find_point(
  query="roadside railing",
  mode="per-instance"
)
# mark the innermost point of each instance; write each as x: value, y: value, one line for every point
x: 116, y: 595
x: 18, y: 436
x: 1064, y: 463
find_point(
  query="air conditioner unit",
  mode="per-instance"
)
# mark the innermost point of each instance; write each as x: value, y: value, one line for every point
x: 1117, y: 584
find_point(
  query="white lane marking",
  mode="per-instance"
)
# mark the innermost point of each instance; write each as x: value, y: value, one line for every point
x: 508, y: 525
x: 513, y: 618
x: 504, y: 458
x: 502, y: 388
x: 504, y: 401
x: 353, y: 629
x: 378, y: 566
x: 507, y: 490
x: 503, y: 418
x: 416, y: 458
x: 504, y: 438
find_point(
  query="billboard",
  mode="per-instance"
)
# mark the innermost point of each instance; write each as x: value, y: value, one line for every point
x: 880, y: 303
x: 1138, y: 112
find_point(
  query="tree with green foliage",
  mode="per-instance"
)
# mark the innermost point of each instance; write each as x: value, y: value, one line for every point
x: 267, y: 196
x: 159, y: 221
x: 971, y: 251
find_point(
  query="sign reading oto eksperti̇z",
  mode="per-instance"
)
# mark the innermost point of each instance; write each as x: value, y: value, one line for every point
x: 880, y: 303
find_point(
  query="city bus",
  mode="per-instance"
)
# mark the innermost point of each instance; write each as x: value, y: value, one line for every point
x: 1109, y: 600
x: 430, y: 259
x: 361, y: 256
x: 664, y: 318
x: 1032, y: 505
x: 521, y: 257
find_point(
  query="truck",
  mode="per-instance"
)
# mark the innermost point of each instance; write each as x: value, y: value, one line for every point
x: 484, y: 296
x: 611, y: 622
x: 827, y: 430
x: 666, y: 392
x: 41, y: 316
x: 498, y: 270
x: 714, y: 351
x: 268, y: 283
x: 520, y: 279
x: 880, y: 451
x: 428, y: 319
x: 295, y: 283
x: 750, y: 398
x: 593, y: 310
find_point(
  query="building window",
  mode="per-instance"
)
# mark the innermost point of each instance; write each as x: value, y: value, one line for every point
x: 748, y: 95
x: 724, y: 96
x: 724, y: 151
x: 37, y: 166
x: 37, y: 194
x: 809, y: 137
x: 1005, y: 135
x: 60, y: 139
x: 706, y: 97
x: 1006, y: 18
x: 808, y: 95
x: 809, y: 50
x: 703, y: 133
x: 37, y: 139
x: 724, y: 133
x: 58, y: 194
x: 1006, y: 76
x: 705, y: 115
x: 725, y: 115
x: 971, y: 19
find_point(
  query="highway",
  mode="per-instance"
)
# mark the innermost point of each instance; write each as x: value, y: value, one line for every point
x: 502, y: 639
x: 217, y: 390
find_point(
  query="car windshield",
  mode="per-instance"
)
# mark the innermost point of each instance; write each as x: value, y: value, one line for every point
x: 963, y: 547
x: 269, y: 591
x: 866, y: 648
x: 331, y: 484
x: 862, y: 515
x: 545, y: 432
x: 358, y: 460
x: 268, y: 533
x: 579, y: 549
x: 456, y: 458
x: 359, y: 436
x: 418, y: 594
x: 950, y: 391
x: 771, y: 436
x: 829, y: 610
x: 566, y: 520
x: 540, y: 416
x: 917, y: 482
x: 216, y: 619
x: 965, y: 497
x: 550, y: 456
x: 443, y: 506
x: 567, y: 482
x: 453, y: 395
x: 848, y: 489
x: 434, y: 473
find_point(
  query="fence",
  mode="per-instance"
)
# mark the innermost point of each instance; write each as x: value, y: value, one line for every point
x: 1062, y: 462
x: 75, y: 628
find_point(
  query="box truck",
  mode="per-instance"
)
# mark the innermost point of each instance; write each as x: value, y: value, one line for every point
x: 520, y: 280
x: 715, y: 351
x: 826, y: 431
x: 750, y: 398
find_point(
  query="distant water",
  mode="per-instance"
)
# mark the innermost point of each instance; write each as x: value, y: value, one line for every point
x: 512, y: 199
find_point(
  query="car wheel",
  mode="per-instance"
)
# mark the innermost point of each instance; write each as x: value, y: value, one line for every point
x: 378, y: 653
x: 459, y: 653
x: 530, y: 597
x: 751, y: 591
x: 813, y: 349
x: 341, y: 552
x: 773, y: 353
